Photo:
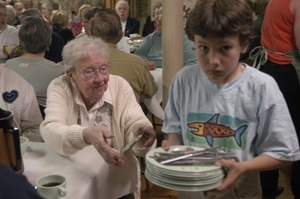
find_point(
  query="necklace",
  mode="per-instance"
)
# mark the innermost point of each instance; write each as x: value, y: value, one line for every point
x: 3, y: 29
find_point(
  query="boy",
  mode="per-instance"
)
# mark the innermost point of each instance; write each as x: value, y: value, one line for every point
x: 221, y: 102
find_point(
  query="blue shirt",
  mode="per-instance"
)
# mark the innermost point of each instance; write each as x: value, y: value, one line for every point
x: 151, y: 50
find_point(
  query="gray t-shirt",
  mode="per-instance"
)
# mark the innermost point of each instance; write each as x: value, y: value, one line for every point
x: 39, y: 72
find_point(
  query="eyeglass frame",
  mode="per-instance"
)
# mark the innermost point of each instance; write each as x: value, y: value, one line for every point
x: 102, y: 70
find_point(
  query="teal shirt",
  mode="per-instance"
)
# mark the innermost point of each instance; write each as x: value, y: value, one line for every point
x: 151, y: 50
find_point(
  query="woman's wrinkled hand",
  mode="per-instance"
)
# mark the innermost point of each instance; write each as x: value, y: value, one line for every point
x: 149, y: 136
x: 98, y: 137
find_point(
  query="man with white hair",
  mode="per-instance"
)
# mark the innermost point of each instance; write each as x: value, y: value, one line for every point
x: 129, y: 25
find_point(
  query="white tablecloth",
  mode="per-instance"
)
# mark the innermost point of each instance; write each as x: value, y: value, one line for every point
x: 82, y: 171
x: 153, y: 104
x: 157, y: 75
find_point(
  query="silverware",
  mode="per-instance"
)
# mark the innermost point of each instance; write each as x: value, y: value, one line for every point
x: 206, y: 156
x: 201, y: 160
x: 128, y: 147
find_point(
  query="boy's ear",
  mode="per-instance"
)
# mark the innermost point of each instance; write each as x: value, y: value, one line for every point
x: 244, y: 48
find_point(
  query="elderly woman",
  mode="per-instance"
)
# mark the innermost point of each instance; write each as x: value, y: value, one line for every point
x: 88, y: 106
x: 60, y: 24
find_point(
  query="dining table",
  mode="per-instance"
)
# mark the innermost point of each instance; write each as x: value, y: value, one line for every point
x: 88, y: 175
x: 154, y: 104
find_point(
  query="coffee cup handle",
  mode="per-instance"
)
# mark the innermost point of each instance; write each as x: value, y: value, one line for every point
x: 62, y: 191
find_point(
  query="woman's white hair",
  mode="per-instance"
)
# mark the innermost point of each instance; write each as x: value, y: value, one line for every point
x: 81, y: 48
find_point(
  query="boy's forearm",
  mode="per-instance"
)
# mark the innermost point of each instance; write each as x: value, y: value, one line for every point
x: 264, y: 163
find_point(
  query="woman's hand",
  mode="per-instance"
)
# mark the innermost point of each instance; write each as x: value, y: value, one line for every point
x: 98, y: 136
x: 149, y: 135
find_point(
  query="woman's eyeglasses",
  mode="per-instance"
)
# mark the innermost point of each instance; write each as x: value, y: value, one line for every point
x: 91, y: 73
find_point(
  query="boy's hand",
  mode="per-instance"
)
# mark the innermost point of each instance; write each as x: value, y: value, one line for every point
x: 165, y: 145
x: 233, y: 171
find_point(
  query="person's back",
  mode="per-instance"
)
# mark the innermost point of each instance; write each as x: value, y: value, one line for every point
x: 281, y: 42
x: 106, y: 25
x: 54, y: 51
x: 277, y: 31
x: 18, y: 96
x: 35, y: 36
x: 133, y: 69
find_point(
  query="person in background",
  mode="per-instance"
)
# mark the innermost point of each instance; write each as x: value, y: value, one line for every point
x: 280, y: 38
x: 129, y: 25
x: 97, y: 3
x: 106, y: 25
x: 151, y: 48
x: 28, y: 4
x: 258, y: 7
x: 18, y: 96
x: 35, y: 38
x: 47, y: 7
x: 221, y: 94
x: 53, y: 53
x: 76, y: 23
x: 11, y: 15
x: 84, y: 20
x: 88, y: 15
x: 8, y: 33
x: 89, y: 106
x: 15, y: 185
x: 77, y: 4
x: 60, y: 22
x: 150, y: 26
x: 19, y: 8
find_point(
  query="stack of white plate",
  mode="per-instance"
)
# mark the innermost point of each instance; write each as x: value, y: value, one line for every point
x: 182, y: 177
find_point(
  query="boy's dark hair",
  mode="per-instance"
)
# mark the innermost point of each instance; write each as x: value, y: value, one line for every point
x: 221, y: 18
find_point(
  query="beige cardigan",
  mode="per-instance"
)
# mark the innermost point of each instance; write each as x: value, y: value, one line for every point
x: 61, y: 131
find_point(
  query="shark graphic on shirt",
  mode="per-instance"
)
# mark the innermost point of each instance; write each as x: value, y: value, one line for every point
x: 212, y: 129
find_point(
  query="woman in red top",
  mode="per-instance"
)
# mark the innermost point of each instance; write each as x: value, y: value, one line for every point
x: 281, y: 43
